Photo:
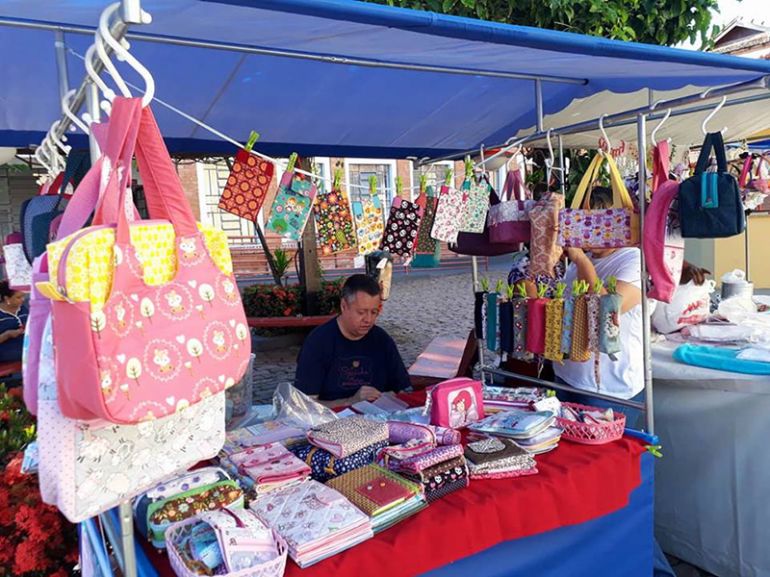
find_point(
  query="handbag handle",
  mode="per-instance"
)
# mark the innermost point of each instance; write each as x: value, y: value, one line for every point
x: 116, y: 139
x: 513, y: 188
x: 660, y: 164
x: 162, y: 188
x: 620, y: 196
x: 713, y: 141
x: 743, y: 179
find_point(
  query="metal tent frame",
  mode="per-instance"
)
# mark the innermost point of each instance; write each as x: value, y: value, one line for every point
x: 131, y: 14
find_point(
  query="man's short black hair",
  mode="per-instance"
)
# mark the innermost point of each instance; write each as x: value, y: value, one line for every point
x: 360, y: 283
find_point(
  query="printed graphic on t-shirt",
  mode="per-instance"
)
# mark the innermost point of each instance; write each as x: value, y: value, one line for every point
x: 354, y: 372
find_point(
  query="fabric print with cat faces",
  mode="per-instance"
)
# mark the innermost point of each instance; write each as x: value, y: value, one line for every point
x: 227, y: 291
x: 120, y: 314
x: 191, y: 252
x: 218, y: 340
x: 162, y: 360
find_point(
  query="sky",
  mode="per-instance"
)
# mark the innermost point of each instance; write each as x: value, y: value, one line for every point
x: 757, y: 10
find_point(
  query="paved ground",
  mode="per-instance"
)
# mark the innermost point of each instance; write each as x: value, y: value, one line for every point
x: 422, y: 306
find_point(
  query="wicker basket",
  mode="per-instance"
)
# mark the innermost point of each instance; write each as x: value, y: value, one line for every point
x: 273, y: 568
x: 589, y: 433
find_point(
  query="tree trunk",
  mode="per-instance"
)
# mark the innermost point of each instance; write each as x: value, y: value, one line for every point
x: 309, y: 266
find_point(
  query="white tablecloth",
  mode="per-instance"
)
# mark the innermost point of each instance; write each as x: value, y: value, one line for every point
x: 712, y: 495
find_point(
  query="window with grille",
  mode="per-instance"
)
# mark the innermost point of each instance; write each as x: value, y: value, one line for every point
x: 359, y: 174
x: 240, y: 231
x: 435, y: 174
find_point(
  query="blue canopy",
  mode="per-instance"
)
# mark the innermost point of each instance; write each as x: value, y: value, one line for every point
x: 450, y: 83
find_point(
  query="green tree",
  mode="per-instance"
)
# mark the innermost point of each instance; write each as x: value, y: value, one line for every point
x: 665, y: 22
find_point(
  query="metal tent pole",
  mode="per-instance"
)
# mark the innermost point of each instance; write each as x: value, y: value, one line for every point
x: 641, y: 131
x: 562, y: 168
x: 479, y: 341
x: 746, y: 245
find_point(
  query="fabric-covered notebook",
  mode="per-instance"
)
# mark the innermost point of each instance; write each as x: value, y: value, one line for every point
x: 344, y: 437
x: 374, y: 489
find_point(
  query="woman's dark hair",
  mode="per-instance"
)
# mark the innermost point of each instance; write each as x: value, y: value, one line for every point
x: 359, y: 283
x: 601, y: 197
x: 5, y: 290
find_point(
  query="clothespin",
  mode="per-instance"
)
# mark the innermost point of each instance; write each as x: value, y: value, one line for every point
x: 448, y: 177
x: 655, y: 450
x: 468, y: 167
x: 292, y: 162
x: 253, y: 137
x: 373, y: 185
x: 336, y: 183
x: 399, y: 185
x: 423, y: 183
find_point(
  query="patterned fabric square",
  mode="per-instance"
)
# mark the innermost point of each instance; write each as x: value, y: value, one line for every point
x: 367, y: 214
x: 579, y: 351
x: 426, y: 244
x: 247, y: 186
x: 401, y: 230
x: 475, y: 206
x: 291, y: 209
x: 448, y: 214
x: 334, y: 222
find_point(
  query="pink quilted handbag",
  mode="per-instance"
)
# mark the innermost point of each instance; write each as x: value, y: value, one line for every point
x: 194, y: 341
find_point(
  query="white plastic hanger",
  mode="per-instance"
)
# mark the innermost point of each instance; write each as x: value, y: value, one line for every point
x: 551, y: 157
x: 711, y: 115
x: 109, y: 66
x: 604, y: 133
x: 38, y: 155
x: 655, y: 130
x: 65, y: 104
x: 58, y: 142
x: 108, y: 92
x: 122, y: 53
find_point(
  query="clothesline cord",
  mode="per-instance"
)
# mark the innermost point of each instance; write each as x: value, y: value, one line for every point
x: 241, y: 146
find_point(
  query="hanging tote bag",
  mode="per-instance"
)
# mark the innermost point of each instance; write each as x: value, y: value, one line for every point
x: 662, y: 240
x: 544, y: 248
x: 428, y: 202
x: 401, y: 230
x: 247, y: 185
x: 475, y: 205
x: 333, y: 222
x: 150, y: 348
x: 710, y: 203
x: 479, y: 243
x: 367, y: 213
x: 87, y: 468
x: 509, y: 218
x: 448, y: 214
x: 292, y: 206
x: 583, y: 227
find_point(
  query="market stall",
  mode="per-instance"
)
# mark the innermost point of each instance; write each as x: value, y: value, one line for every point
x: 196, y: 57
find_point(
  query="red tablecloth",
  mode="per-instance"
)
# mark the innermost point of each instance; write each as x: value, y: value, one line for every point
x: 575, y: 483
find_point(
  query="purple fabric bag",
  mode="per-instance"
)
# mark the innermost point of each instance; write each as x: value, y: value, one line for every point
x: 508, y: 219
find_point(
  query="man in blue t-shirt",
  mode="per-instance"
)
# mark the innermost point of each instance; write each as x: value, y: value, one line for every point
x: 349, y: 359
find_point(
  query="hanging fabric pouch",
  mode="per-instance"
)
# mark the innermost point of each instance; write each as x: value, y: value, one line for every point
x: 545, y: 251
x: 428, y: 202
x: 609, y: 319
x: 247, y: 186
x: 567, y: 321
x: 334, y: 222
x: 536, y: 322
x: 492, y: 321
x: 554, y: 313
x: 710, y: 203
x: 448, y: 213
x: 519, y: 309
x: 401, y: 230
x: 584, y: 227
x: 479, y: 300
x: 291, y: 209
x: 475, y: 205
x: 579, y: 351
x: 367, y: 214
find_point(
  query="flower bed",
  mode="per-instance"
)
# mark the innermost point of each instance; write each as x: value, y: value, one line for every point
x: 263, y: 300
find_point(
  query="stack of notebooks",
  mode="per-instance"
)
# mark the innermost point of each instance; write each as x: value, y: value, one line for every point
x: 506, y: 398
x: 495, y: 458
x: 267, y: 467
x: 315, y: 520
x: 534, y: 431
x: 261, y: 434
x: 384, y: 496
x: 440, y: 470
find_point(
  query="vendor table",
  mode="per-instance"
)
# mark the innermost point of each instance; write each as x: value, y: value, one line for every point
x: 589, y: 511
x: 711, y: 501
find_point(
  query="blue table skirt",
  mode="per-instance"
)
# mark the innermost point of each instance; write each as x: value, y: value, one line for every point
x: 616, y: 545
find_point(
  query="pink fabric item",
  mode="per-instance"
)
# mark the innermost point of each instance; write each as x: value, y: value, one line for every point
x: 662, y: 240
x: 39, y: 310
x: 401, y: 432
x: 456, y: 403
x: 536, y: 326
x: 418, y: 463
x: 152, y: 350
x: 509, y: 219
x: 271, y: 463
